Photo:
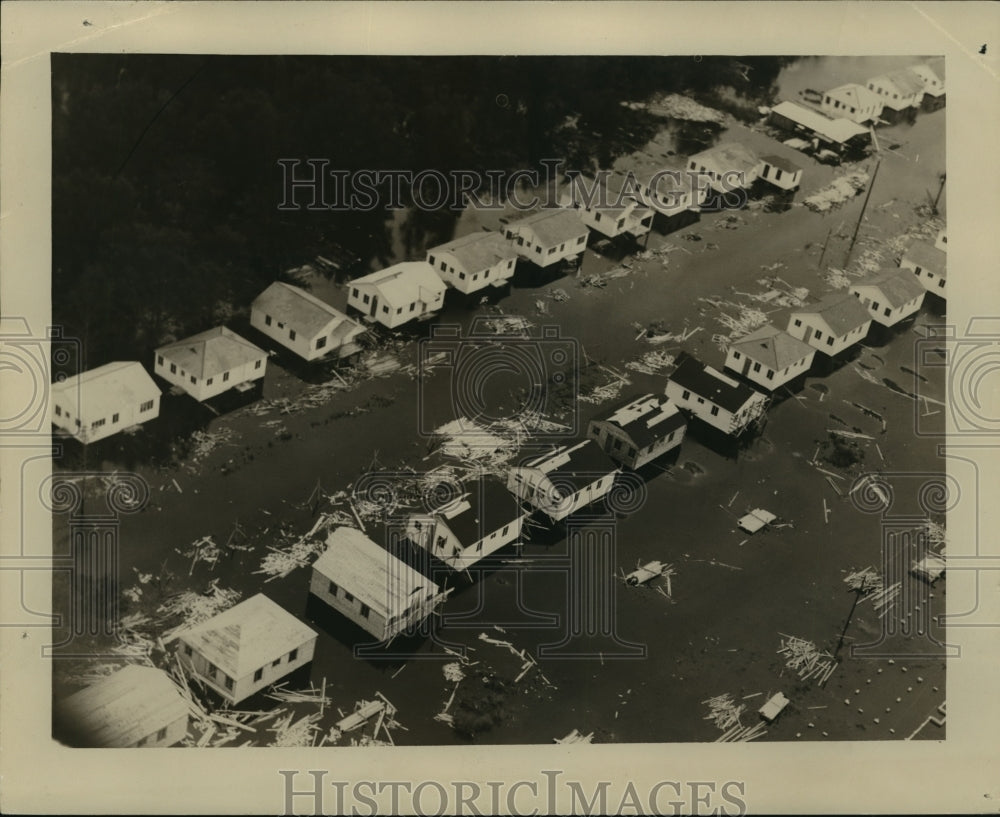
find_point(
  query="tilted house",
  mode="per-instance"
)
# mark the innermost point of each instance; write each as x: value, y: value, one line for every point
x: 137, y: 706
x: 368, y: 585
x: 852, y: 101
x: 103, y: 401
x: 898, y: 90
x: 639, y: 431
x: 931, y: 73
x: 729, y: 166
x: 609, y: 204
x: 246, y: 648
x: 398, y: 294
x: 780, y: 172
x: 468, y: 528
x: 209, y: 363
x: 840, y: 135
x: 890, y: 295
x: 474, y: 262
x: 548, y: 236
x: 769, y: 357
x: 929, y: 264
x: 563, y: 481
x: 831, y: 325
x: 713, y: 397
x: 301, y: 322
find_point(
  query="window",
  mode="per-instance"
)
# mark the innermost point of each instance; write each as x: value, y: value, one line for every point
x: 97, y: 423
x: 887, y: 312
x: 227, y: 681
x: 538, y: 249
x: 461, y: 276
x: 114, y: 417
x: 291, y: 334
x: 818, y: 334
x: 321, y: 342
x: 332, y: 589
x: 142, y: 741
x: 348, y: 596
x: 159, y: 360
x: 267, y: 320
x: 258, y: 675
x: 475, y: 277
x: 365, y: 610
x: 597, y: 217
x: 194, y: 379
x: 941, y: 284
x: 293, y: 655
x: 798, y: 322
x: 685, y: 395
x: 504, y: 531
x: 59, y: 411
x: 444, y: 267
x: 355, y: 293
x: 366, y: 298
x: 581, y: 239
x: 399, y: 310
x: 701, y: 400
x: 276, y: 662
x: 77, y: 422
x: 173, y: 368
x: 875, y: 305
x: 412, y: 307
x: 225, y: 376
x: 162, y: 734
x: 281, y: 325
x: 385, y: 309
x: 631, y: 451
x: 430, y: 260
x: 736, y: 355
x: 257, y: 364
x: 770, y: 374
x: 756, y: 367
x: 715, y: 411
x: 829, y: 341
x: 551, y: 250
x: 777, y: 173
x: 209, y: 381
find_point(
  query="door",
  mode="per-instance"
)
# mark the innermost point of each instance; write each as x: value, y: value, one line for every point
x: 374, y: 305
x: 746, y: 365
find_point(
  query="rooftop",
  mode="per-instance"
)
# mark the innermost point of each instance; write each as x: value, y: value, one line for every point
x: 898, y: 285
x: 647, y: 419
x: 616, y: 194
x: 781, y: 162
x: 927, y: 256
x: 478, y: 251
x: 711, y: 384
x: 728, y: 156
x: 553, y: 226
x: 857, y: 95
x: 300, y: 309
x: 578, y: 465
x: 904, y: 79
x: 838, y: 130
x: 487, y: 507
x: 772, y: 347
x: 212, y: 352
x: 104, y: 390
x: 405, y: 283
x: 841, y: 311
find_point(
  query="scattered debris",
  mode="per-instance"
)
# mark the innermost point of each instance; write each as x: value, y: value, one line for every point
x: 576, y: 737
x: 804, y: 657
x: 840, y: 190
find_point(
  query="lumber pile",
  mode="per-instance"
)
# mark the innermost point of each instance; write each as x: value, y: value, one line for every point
x: 278, y: 562
x: 653, y: 362
x: 194, y: 608
x: 840, y: 190
x: 724, y: 712
x: 742, y: 734
x: 806, y: 659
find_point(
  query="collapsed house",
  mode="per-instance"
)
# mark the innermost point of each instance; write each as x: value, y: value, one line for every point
x: 100, y: 402
x: 639, y: 430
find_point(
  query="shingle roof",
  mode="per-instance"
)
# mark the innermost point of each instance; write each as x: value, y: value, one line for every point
x: 646, y: 419
x: 487, y: 507
x: 212, y: 352
x: 927, y: 256
x: 854, y: 94
x: 706, y: 382
x: 553, y: 226
x: 841, y: 311
x: 772, y: 347
x: 781, y: 162
x: 727, y: 156
x: 248, y: 636
x: 478, y: 251
x: 301, y: 310
x: 898, y: 286
x: 117, y: 711
x: 405, y: 283
x: 838, y: 130
x: 102, y: 391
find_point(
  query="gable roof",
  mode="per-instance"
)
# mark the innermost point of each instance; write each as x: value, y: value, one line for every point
x: 927, y: 256
x: 372, y: 574
x: 839, y: 130
x: 478, y: 251
x: 487, y: 507
x: 553, y: 226
x: 727, y: 156
x: 773, y: 347
x: 405, y: 283
x: 104, y: 390
x: 248, y: 636
x: 855, y: 94
x: 302, y: 310
x: 841, y: 311
x: 905, y: 81
x: 898, y: 285
x: 117, y: 711
x: 713, y: 385
x: 646, y: 419
x: 781, y: 162
x: 579, y: 464
x: 211, y: 352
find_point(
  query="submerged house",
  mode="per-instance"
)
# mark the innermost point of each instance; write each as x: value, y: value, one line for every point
x: 901, y: 91
x: 780, y: 172
x: 137, y: 706
x: 931, y: 73
x: 852, y: 101
x: 713, y: 397
x: 890, y: 295
x: 639, y: 431
x: 370, y: 586
x: 548, y: 236
x: 301, y: 322
x: 103, y: 401
x: 929, y: 264
x: 729, y: 166
x: 465, y: 529
x: 398, y: 294
x: 563, y: 481
x: 474, y: 262
x: 839, y: 135
x: 212, y: 362
x: 769, y: 357
x: 246, y: 648
x: 610, y: 205
x: 831, y: 325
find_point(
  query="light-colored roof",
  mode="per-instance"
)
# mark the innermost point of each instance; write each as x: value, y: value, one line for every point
x: 405, y: 283
x: 839, y: 130
x: 248, y: 636
x: 301, y: 310
x: 772, y: 347
x: 478, y: 251
x: 937, y: 66
x: 857, y: 95
x: 104, y: 390
x: 117, y: 711
x: 553, y: 226
x: 369, y: 572
x: 841, y: 311
x: 898, y: 286
x: 926, y: 256
x: 612, y: 195
x: 212, y: 352
x: 727, y: 156
x: 905, y: 81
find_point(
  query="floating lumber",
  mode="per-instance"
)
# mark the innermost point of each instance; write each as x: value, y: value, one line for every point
x: 724, y: 711
x: 805, y: 659
x: 646, y: 572
x: 576, y: 736
x: 854, y: 435
x: 364, y: 711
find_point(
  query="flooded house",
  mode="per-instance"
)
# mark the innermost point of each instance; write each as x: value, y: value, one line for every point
x: 246, y: 648
x: 610, y: 205
x: 769, y: 357
x: 370, y: 586
x: 639, y: 430
x: 100, y: 402
x: 713, y: 397
x: 404, y: 292
x: 931, y: 74
x: 901, y: 92
x: 890, y: 295
x: 831, y: 325
x: 672, y: 191
x: 929, y: 264
x: 729, y: 166
x: 840, y: 135
x: 852, y: 101
x: 548, y: 236
x: 562, y: 481
x: 781, y: 172
x: 464, y: 529
x: 136, y: 707
x: 304, y: 324
x: 212, y: 362
x: 474, y: 262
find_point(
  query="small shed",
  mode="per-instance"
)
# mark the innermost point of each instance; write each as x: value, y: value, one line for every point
x: 775, y: 706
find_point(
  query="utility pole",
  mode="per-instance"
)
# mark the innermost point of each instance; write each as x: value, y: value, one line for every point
x: 944, y: 177
x: 864, y: 207
x: 829, y: 233
x: 858, y: 593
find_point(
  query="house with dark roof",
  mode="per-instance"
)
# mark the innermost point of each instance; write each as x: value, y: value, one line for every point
x: 713, y: 397
x: 474, y: 262
x: 103, y: 401
x: 135, y: 707
x: 852, y: 101
x: 769, y: 357
x: 246, y: 648
x: 900, y: 91
x: 931, y: 74
x: 890, y: 295
x: 548, y: 236
x: 639, y: 431
x: 781, y: 172
x: 609, y: 204
x: 729, y: 166
x: 929, y: 264
x: 370, y: 586
x: 211, y: 362
x: 301, y: 322
x: 464, y: 529
x: 404, y: 292
x: 563, y: 481
x: 833, y: 324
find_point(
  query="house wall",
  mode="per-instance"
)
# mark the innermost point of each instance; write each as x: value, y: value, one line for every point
x: 700, y: 407
x: 670, y: 203
x: 840, y: 106
x: 374, y: 622
x: 618, y: 445
x: 454, y: 274
x: 201, y: 389
x: 932, y: 281
x: 176, y: 731
x: 304, y: 346
x: 489, y: 544
x: 882, y: 313
x: 128, y: 415
x: 805, y: 325
x: 433, y: 535
x: 397, y: 314
x: 716, y: 174
x: 891, y: 98
x: 536, y: 489
x: 527, y: 245
x: 781, y: 178
x: 739, y: 362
